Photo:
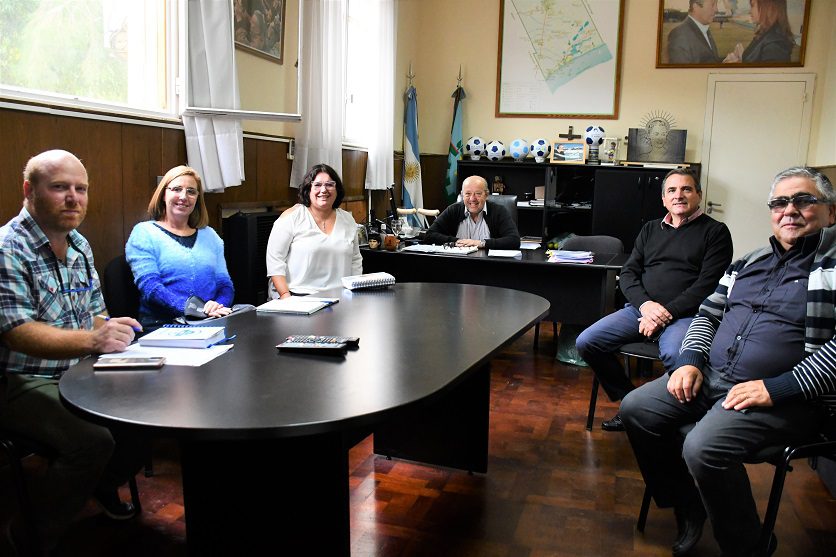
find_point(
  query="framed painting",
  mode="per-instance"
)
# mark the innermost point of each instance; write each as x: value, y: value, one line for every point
x: 569, y: 152
x: 559, y: 58
x: 756, y: 33
x: 259, y: 27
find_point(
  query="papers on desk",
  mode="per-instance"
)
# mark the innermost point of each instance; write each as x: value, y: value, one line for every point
x: 443, y: 249
x: 173, y: 356
x: 529, y: 245
x: 504, y: 253
x: 567, y: 256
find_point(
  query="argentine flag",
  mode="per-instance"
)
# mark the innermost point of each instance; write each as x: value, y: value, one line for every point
x: 413, y: 196
x: 455, y: 151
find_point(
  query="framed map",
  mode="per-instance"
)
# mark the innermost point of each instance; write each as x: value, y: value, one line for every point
x: 559, y: 58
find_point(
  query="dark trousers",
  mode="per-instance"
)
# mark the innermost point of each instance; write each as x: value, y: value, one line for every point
x: 709, y: 464
x: 87, y: 456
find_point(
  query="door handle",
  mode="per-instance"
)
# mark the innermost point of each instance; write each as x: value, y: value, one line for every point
x: 711, y: 206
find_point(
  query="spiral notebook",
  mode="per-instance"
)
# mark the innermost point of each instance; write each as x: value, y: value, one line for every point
x: 368, y: 280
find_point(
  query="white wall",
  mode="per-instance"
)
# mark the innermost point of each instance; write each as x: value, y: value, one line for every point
x: 438, y: 35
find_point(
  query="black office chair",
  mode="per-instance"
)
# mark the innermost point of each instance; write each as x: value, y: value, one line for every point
x: 507, y: 201
x: 121, y: 298
x: 17, y: 448
x: 121, y: 295
x: 823, y: 446
x: 599, y: 244
x: 642, y: 351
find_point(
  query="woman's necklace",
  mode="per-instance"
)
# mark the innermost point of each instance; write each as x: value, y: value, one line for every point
x: 322, y: 224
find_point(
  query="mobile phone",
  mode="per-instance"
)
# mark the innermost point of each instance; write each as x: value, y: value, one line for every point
x: 129, y: 363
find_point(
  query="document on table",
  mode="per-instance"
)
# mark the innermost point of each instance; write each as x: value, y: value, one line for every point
x: 194, y: 357
x: 529, y: 245
x: 442, y: 249
x: 504, y: 253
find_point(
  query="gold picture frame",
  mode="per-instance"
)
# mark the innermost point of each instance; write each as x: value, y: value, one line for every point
x: 259, y: 27
x: 734, y: 38
x: 565, y: 151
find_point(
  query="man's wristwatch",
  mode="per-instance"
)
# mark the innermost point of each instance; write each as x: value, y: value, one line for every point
x: 481, y: 244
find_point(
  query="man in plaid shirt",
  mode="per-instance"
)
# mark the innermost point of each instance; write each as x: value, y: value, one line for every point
x: 49, y: 298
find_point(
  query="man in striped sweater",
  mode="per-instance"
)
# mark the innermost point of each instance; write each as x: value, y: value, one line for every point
x: 757, y: 369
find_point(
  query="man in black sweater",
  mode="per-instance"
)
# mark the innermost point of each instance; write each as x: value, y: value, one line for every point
x: 474, y: 222
x: 675, y: 264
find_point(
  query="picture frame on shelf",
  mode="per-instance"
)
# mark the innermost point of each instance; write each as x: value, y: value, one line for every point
x: 608, y: 151
x: 569, y: 152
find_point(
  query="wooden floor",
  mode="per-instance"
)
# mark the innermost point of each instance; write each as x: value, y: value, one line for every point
x: 552, y: 488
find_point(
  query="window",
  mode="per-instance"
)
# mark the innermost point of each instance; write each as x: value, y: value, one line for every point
x: 361, y: 42
x: 108, y: 55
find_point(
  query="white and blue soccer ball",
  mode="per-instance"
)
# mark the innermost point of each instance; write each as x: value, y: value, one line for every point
x: 474, y: 148
x: 594, y: 136
x: 519, y: 149
x: 495, y: 151
x: 540, y: 148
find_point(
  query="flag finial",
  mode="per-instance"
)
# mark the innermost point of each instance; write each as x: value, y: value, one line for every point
x: 459, y: 79
x: 410, y: 75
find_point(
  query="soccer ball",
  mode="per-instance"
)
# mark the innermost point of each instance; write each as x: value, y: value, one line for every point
x: 496, y: 151
x: 519, y: 149
x: 594, y: 137
x: 540, y: 148
x: 475, y: 148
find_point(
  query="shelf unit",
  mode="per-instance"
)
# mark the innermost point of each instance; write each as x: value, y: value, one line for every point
x: 579, y: 198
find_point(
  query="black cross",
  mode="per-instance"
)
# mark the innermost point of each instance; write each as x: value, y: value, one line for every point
x: 570, y: 136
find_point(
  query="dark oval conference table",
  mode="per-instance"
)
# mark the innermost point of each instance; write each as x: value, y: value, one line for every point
x: 264, y: 435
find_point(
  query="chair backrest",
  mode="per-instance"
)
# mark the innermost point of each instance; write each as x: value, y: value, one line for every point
x: 507, y: 201
x: 120, y: 292
x: 600, y: 244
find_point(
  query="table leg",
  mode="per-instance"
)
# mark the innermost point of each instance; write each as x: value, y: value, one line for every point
x: 449, y: 431
x: 267, y: 497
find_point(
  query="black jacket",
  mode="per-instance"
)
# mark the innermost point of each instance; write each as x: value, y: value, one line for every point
x: 504, y: 234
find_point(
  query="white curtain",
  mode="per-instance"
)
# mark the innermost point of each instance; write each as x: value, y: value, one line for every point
x: 380, y: 167
x: 214, y: 146
x: 320, y: 135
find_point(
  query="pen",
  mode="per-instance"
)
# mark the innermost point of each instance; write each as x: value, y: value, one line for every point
x: 107, y: 318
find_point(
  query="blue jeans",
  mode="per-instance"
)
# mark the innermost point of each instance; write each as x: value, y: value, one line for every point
x: 598, y: 343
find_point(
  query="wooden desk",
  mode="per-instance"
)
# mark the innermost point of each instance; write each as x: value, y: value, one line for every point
x: 579, y: 294
x: 264, y: 436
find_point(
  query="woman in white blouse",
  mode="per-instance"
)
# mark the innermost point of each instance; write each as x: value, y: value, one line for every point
x: 314, y: 243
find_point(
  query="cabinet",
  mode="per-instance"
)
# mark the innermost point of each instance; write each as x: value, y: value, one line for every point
x: 579, y: 198
x: 624, y: 201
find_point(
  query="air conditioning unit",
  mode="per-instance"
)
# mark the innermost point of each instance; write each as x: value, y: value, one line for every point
x: 245, y: 248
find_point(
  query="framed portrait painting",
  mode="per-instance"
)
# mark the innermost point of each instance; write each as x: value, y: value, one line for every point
x: 723, y: 34
x: 259, y: 27
x: 569, y: 152
x: 559, y: 59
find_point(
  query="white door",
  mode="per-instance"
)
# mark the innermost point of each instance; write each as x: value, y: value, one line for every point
x: 755, y: 126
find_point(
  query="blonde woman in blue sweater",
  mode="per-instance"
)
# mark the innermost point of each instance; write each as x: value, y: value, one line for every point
x: 175, y: 255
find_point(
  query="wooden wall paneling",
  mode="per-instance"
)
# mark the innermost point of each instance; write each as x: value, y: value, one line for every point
x: 172, y: 149
x: 22, y: 135
x: 354, y: 172
x: 357, y: 210
x: 99, y: 145
x: 141, y: 164
x: 273, y: 173
x: 433, y: 171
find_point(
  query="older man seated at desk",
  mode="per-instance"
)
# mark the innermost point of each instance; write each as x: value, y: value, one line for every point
x: 474, y: 222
